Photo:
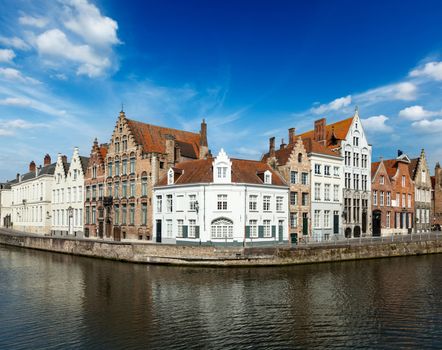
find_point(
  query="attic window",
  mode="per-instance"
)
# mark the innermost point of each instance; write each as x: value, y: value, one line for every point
x: 170, y: 176
x: 222, y: 172
x: 161, y: 165
x: 121, y: 128
x: 267, y: 177
x: 299, y: 157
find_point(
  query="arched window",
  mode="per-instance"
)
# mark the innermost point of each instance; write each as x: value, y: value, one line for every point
x: 222, y: 228
x: 144, y: 184
x: 299, y: 157
x: 124, y: 142
x: 132, y: 163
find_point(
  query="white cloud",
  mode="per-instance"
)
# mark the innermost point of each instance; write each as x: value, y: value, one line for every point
x: 55, y: 43
x: 38, y: 22
x: 404, y: 91
x: 430, y: 69
x: 14, y: 42
x: 9, y: 127
x: 86, y: 21
x: 335, y: 105
x: 15, y: 101
x: 428, y: 126
x: 16, y: 75
x: 417, y: 113
x: 6, y: 55
x: 376, y: 123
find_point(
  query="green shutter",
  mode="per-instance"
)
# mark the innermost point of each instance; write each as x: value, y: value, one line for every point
x: 247, y: 231
x: 260, y: 231
x: 273, y: 231
x: 185, y: 230
x: 197, y: 232
x: 281, y: 233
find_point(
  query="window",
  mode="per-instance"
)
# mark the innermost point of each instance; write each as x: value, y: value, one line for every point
x: 375, y: 197
x: 267, y: 229
x: 318, y: 169
x: 192, y: 202
x: 347, y: 180
x: 88, y: 195
x: 355, y: 141
x: 316, y: 218
x: 117, y: 215
x: 336, y: 171
x: 267, y: 178
x: 132, y: 165
x: 299, y: 157
x: 222, y: 228
x: 347, y: 158
x: 293, y: 220
x: 398, y: 204
x: 144, y: 214
x: 381, y: 198
x: 131, y: 214
x: 144, y: 186
x: 381, y: 180
x: 192, y: 230
x: 304, y: 198
x: 304, y: 178
x: 132, y: 188
x: 222, y: 172
x: 100, y: 191
x: 388, y: 219
x: 170, y: 176
x: 364, y: 182
x: 169, y: 200
x: 180, y: 223
x: 294, y: 198
x: 124, y: 214
x: 94, y: 172
x: 266, y: 203
x: 409, y: 200
x: 253, y: 202
x: 388, y: 199
x: 109, y: 169
x: 403, y: 180
x: 364, y: 161
x: 336, y: 193
x: 317, y: 191
x: 124, y: 167
x: 75, y: 174
x: 356, y: 159
x: 356, y: 181
x: 117, y: 190
x: 404, y: 203
x: 169, y: 228
x: 293, y: 177
x: 124, y: 189
x: 279, y: 203
x: 253, y: 228
x: 327, y: 192
x: 117, y: 168
x: 327, y: 218
x: 222, y: 202
x: 88, y: 219
x: 159, y: 204
x: 327, y: 170
x: 124, y: 142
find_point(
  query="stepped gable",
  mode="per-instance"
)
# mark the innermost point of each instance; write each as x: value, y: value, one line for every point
x: 413, y: 166
x: 152, y: 138
x: 243, y: 171
x: 84, y: 162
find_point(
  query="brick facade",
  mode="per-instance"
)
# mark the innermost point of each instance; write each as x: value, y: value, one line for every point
x: 436, y: 200
x: 382, y: 208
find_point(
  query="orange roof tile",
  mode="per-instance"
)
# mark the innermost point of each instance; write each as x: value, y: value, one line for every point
x: 243, y: 171
x: 152, y: 138
x: 103, y: 150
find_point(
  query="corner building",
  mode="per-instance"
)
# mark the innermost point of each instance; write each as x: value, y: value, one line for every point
x: 138, y: 155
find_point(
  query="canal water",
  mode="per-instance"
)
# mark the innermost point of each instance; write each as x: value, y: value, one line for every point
x: 54, y: 301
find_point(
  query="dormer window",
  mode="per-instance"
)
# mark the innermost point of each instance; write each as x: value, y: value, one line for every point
x: 170, y: 176
x: 222, y: 172
x: 222, y: 166
x: 268, y: 177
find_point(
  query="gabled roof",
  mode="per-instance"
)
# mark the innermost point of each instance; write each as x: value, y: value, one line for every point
x: 310, y: 145
x: 103, y: 150
x: 84, y: 161
x: 337, y: 130
x: 413, y: 167
x: 243, y: 171
x: 152, y: 138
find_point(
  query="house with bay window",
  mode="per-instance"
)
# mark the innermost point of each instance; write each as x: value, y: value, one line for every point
x: 223, y: 201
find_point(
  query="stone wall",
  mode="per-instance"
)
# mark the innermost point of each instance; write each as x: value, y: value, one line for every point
x: 217, y: 256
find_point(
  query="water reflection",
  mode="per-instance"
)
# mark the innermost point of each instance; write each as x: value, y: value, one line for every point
x: 58, y: 301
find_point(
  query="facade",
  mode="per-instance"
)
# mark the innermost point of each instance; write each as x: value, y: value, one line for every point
x: 382, y: 206
x: 347, y: 138
x: 420, y: 174
x: 138, y: 155
x: 67, y: 195
x: 31, y: 198
x: 94, y: 182
x: 436, y: 198
x: 5, y: 205
x: 221, y: 201
x: 401, y: 187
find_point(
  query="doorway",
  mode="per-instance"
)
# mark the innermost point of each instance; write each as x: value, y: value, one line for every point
x: 377, y: 216
x: 158, y: 240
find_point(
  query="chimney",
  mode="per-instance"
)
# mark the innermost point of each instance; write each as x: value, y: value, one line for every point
x: 47, y: 160
x: 319, y: 134
x: 204, y: 147
x: 272, y: 146
x: 292, y: 135
x: 18, y: 176
x: 32, y: 166
x: 399, y: 153
x: 283, y: 145
x: 170, y: 150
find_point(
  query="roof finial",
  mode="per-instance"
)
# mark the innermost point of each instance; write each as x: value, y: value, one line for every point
x: 357, y: 109
x: 122, y: 107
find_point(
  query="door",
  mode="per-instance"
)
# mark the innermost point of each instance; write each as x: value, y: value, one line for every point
x: 304, y: 224
x: 336, y: 224
x: 117, y: 233
x: 100, y: 229
x: 377, y: 215
x: 294, y: 238
x: 281, y: 230
x: 158, y: 231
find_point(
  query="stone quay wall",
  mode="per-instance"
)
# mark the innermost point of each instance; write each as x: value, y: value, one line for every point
x: 151, y: 253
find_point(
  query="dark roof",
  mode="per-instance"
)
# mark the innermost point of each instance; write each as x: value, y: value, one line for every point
x: 84, y: 161
x: 243, y: 171
x: 433, y: 181
x: 413, y: 167
x: 186, y: 149
x: 46, y: 170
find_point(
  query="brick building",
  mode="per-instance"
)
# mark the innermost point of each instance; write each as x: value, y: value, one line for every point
x: 383, y: 211
x: 138, y: 155
x: 401, y: 220
x: 420, y: 174
x: 94, y: 181
x: 436, y: 198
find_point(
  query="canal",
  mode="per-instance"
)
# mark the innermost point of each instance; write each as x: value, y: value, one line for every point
x: 54, y: 301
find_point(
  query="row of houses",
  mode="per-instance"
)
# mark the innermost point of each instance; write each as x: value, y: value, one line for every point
x: 159, y: 184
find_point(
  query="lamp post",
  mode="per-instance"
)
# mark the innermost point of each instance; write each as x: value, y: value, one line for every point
x: 70, y: 214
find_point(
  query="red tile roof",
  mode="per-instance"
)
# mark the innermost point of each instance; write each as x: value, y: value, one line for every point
x: 310, y: 145
x: 103, y: 150
x: 413, y: 166
x: 243, y: 171
x: 153, y: 138
x: 338, y: 129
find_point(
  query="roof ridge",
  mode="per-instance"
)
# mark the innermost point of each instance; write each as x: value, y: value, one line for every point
x: 161, y: 127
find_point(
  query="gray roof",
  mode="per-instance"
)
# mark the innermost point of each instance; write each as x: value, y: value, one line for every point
x: 84, y: 161
x: 46, y: 170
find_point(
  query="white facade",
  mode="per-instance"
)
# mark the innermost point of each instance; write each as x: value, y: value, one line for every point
x: 67, y: 197
x: 221, y: 211
x: 31, y: 201
x: 5, y: 205
x: 327, y: 184
x: 356, y: 152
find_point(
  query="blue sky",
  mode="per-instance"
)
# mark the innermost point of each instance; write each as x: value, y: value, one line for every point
x: 251, y: 68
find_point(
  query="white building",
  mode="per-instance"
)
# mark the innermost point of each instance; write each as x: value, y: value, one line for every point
x: 5, y: 204
x: 347, y: 138
x: 221, y: 201
x: 326, y: 189
x: 67, y: 195
x: 31, y: 198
